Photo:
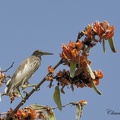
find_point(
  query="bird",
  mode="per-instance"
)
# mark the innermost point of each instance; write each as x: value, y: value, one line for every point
x: 24, y: 72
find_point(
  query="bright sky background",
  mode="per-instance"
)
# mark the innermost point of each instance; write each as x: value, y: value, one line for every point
x: 35, y: 24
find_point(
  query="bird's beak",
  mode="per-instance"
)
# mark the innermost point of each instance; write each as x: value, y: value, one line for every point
x: 47, y: 53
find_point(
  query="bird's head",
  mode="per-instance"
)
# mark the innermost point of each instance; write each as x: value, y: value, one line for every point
x: 39, y: 53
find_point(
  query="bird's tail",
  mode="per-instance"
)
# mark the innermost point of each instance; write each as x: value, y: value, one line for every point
x: 7, y: 88
x: 6, y: 91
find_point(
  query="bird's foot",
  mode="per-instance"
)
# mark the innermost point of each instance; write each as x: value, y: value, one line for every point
x: 26, y: 93
x: 36, y: 88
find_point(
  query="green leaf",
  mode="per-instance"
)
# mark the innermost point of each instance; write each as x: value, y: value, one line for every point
x: 51, y: 116
x: 103, y: 44
x: 112, y: 46
x: 56, y: 97
x: 95, y: 88
x: 38, y: 108
x: 90, y: 71
x: 72, y: 68
x: 78, y: 112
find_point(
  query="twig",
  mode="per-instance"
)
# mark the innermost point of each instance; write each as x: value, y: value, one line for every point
x: 31, y: 92
x: 72, y: 103
x: 8, y: 68
x: 80, y: 34
x: 62, y: 106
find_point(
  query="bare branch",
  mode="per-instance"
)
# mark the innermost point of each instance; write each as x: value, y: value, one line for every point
x: 8, y: 68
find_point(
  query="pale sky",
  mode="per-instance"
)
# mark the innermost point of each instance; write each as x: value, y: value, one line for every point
x: 33, y: 24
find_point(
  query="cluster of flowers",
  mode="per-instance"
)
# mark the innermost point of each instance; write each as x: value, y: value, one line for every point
x: 102, y: 29
x: 78, y: 53
x: 29, y: 113
x: 3, y: 80
x: 81, y: 80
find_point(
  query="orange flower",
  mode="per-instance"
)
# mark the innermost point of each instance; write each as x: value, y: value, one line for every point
x: 64, y: 81
x: 89, y: 85
x: 60, y: 73
x: 88, y: 32
x: 50, y: 112
x: 25, y: 113
x: 32, y: 113
x: 83, y: 102
x: 42, y: 116
x: 99, y: 74
x: 74, y: 52
x: 103, y: 30
x: 51, y: 69
x: 62, y: 90
x: 71, y: 51
x: 96, y: 82
x: 18, y: 113
x: 83, y: 60
x: 49, y: 78
x: 2, y: 77
x: 62, y: 77
x: 81, y: 85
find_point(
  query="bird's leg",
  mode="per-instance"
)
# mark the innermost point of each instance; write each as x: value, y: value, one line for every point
x: 32, y: 85
x: 24, y: 86
x: 20, y: 93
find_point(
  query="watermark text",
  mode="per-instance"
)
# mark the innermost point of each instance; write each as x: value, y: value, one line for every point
x: 112, y: 112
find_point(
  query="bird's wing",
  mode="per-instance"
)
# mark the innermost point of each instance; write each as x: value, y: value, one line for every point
x: 25, y: 70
